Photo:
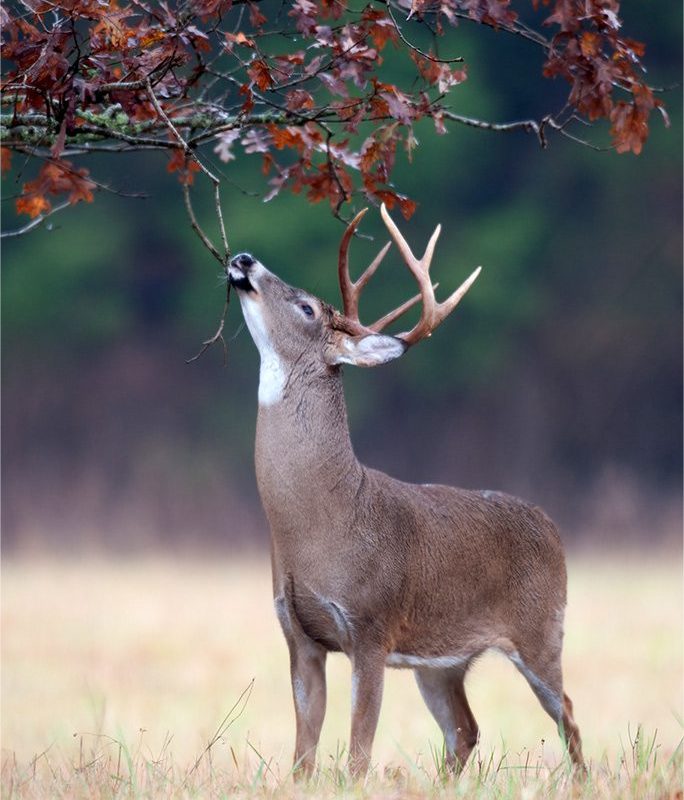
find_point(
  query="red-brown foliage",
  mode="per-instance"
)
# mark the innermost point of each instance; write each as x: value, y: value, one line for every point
x: 297, y: 88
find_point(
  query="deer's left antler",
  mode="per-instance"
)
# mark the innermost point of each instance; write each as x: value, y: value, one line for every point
x: 433, y: 313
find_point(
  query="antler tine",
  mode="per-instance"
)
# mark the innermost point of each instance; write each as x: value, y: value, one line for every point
x: 433, y: 312
x: 445, y: 308
x: 351, y: 290
x: 350, y: 304
x: 420, y: 270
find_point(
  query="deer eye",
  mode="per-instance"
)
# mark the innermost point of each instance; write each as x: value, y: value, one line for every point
x: 306, y: 310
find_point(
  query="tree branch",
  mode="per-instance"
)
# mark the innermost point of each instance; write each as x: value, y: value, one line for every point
x: 222, y: 259
x: 538, y: 128
x: 34, y: 223
x: 428, y: 56
x: 186, y: 147
x: 197, y: 228
x: 188, y: 204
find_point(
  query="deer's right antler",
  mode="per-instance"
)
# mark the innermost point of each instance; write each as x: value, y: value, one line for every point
x: 433, y: 313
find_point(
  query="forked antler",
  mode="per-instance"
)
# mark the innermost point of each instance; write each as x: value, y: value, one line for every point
x: 433, y: 313
x: 351, y: 290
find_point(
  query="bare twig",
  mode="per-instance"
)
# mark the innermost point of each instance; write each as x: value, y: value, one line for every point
x: 428, y: 56
x: 186, y: 147
x: 34, y: 223
x: 198, y: 230
x: 526, y: 125
x: 123, y: 85
x: 222, y: 259
x: 218, y: 334
x: 222, y: 227
x: 188, y: 204
x: 516, y: 29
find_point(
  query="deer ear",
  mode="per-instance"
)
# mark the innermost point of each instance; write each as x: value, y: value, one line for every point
x: 369, y: 350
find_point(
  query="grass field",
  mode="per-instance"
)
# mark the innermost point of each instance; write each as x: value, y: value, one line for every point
x: 117, y: 675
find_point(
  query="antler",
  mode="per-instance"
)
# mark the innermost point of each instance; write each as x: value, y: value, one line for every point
x: 351, y: 290
x: 433, y: 313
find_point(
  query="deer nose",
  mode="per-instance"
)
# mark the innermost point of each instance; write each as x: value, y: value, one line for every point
x: 243, y: 261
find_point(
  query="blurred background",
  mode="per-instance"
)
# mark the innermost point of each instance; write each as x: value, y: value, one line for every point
x: 559, y: 378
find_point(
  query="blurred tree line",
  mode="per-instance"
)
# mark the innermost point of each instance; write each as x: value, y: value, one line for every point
x: 559, y: 377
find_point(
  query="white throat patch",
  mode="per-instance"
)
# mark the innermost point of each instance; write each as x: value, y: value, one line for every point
x: 271, y: 375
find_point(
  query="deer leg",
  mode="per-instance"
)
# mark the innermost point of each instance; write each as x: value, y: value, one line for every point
x: 307, y: 670
x: 444, y: 694
x: 545, y: 678
x: 368, y: 674
x: 571, y: 735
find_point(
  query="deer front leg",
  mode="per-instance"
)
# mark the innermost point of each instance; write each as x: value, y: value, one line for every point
x: 368, y: 674
x: 307, y: 670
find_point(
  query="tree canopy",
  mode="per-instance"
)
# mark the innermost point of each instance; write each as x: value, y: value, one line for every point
x: 324, y: 92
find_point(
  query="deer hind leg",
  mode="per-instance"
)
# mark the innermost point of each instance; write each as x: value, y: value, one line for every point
x: 571, y: 734
x: 545, y: 679
x: 444, y: 694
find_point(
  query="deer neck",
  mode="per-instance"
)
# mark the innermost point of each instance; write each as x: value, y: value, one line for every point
x: 305, y: 461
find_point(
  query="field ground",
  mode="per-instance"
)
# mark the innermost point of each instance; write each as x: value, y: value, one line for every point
x: 123, y: 672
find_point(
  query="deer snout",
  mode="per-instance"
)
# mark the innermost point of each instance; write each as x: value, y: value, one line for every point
x: 238, y: 271
x: 243, y: 261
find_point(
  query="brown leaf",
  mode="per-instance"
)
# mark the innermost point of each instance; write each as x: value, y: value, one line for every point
x: 33, y: 204
x: 248, y: 105
x: 370, y: 153
x: 286, y: 137
x: 590, y: 44
x: 184, y: 165
x: 256, y: 18
x: 237, y: 38
x: 299, y: 99
x: 5, y: 160
x: 260, y: 74
x: 58, y: 176
x: 407, y: 206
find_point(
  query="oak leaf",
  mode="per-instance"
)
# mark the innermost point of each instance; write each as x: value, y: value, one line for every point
x: 260, y: 74
x: 184, y: 165
x: 34, y: 205
x: 5, y: 160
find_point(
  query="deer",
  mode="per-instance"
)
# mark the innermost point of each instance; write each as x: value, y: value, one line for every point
x: 392, y: 574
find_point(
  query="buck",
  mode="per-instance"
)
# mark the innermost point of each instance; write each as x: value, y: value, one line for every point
x: 393, y: 574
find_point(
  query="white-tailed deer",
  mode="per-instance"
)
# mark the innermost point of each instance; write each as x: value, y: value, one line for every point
x: 393, y: 574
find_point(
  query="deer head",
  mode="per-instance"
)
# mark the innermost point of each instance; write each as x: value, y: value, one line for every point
x: 290, y: 325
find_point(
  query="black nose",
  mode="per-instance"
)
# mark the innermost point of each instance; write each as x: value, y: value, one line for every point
x: 243, y: 261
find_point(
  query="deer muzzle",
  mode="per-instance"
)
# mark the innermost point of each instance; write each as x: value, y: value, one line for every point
x: 239, y: 272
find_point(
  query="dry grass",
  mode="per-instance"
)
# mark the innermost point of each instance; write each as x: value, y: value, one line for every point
x: 117, y: 675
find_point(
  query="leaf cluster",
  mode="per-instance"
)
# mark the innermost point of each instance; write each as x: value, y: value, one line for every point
x: 303, y: 85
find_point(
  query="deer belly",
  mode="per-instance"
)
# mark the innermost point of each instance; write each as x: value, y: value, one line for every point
x: 410, y: 661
